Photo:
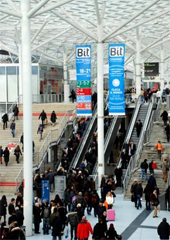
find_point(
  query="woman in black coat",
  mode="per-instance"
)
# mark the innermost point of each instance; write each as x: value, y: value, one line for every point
x: 57, y: 226
x: 37, y: 216
x: 6, y: 156
x: 98, y: 231
x: 53, y: 118
x: 3, y: 206
x: 147, y: 197
x: 112, y: 234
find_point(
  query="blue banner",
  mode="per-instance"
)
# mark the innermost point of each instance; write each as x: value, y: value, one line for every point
x: 45, y: 191
x: 83, y: 73
x: 116, y: 79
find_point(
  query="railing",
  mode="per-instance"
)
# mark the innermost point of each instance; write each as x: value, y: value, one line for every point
x: 134, y: 160
x: 154, y: 118
x: 45, y: 98
x: 80, y: 148
x: 52, y: 136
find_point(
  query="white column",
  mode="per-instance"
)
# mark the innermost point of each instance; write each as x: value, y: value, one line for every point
x: 66, y: 86
x: 162, y: 69
x: 138, y: 62
x: 100, y: 103
x: 27, y: 116
x: 20, y: 70
x: 49, y: 154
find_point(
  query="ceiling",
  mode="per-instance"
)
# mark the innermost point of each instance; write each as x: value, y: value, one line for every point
x: 76, y: 22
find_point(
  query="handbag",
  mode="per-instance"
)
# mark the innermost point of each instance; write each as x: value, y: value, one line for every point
x: 132, y: 198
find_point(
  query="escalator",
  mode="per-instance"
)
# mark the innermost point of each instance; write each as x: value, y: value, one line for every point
x: 85, y: 142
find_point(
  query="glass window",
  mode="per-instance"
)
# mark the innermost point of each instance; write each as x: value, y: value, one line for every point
x: 11, y: 70
x: 2, y: 70
x: 12, y: 83
x: 2, y: 85
x: 35, y: 70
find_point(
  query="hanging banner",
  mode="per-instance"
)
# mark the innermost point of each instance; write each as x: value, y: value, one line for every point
x: 45, y: 191
x: 116, y: 79
x: 60, y: 185
x: 83, y: 75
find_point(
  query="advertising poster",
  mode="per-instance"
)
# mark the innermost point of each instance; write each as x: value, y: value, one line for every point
x: 83, y: 76
x: 116, y: 79
x: 45, y: 191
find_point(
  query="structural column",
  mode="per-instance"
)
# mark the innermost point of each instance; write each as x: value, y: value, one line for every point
x: 138, y: 62
x: 27, y: 116
x: 100, y: 103
x: 162, y: 69
x: 20, y: 70
x: 66, y: 86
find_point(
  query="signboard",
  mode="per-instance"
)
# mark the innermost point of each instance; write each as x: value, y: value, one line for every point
x: 83, y: 75
x: 116, y: 79
x: 45, y: 191
x: 60, y: 185
x: 151, y: 69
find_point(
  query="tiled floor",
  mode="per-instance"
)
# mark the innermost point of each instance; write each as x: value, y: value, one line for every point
x: 143, y: 228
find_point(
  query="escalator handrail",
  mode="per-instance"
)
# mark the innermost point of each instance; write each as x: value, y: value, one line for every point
x: 109, y: 132
x: 133, y: 120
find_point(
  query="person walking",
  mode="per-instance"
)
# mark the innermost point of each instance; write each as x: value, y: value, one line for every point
x: 3, y: 207
x: 17, y: 153
x: 144, y: 167
x: 1, y: 154
x: 72, y: 95
x: 5, y: 120
x: 155, y: 202
x: 98, y: 231
x: 56, y: 225
x: 167, y: 130
x: 12, y: 127
x: 6, y: 156
x: 159, y: 147
x: 165, y: 169
x: 164, y: 117
x: 139, y: 193
x: 43, y: 116
x: 164, y: 229
x: 167, y: 198
x: 40, y: 131
x: 139, y: 126
x: 53, y: 118
x: 112, y: 234
x: 84, y: 229
x: 147, y: 197
x: 73, y: 220
x: 16, y: 112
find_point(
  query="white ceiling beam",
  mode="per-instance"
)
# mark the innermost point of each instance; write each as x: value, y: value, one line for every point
x: 72, y: 54
x: 103, y: 10
x: 37, y: 7
x: 3, y: 18
x: 120, y: 39
x: 69, y: 19
x: 97, y: 12
x: 53, y: 6
x: 142, y: 22
x: 51, y: 39
x: 130, y: 20
x: 49, y: 56
x: 17, y: 35
x: 36, y: 34
x: 11, y: 12
x: 161, y: 42
x: 165, y: 59
x: 13, y: 6
x: 127, y: 60
x: 156, y: 41
x: 8, y: 48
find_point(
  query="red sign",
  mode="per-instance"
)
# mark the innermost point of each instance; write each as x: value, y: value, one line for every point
x: 84, y: 106
x: 83, y: 91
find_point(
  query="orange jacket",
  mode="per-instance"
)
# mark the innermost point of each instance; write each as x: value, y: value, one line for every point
x: 159, y: 146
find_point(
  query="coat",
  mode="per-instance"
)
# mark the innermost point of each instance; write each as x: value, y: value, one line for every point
x: 98, y: 231
x: 36, y: 212
x: 53, y: 117
x: 3, y: 206
x: 163, y: 230
x: 16, y: 233
x: 165, y: 165
x: 83, y: 230
x: 57, y: 226
x: 111, y: 234
x: 73, y: 219
x: 5, y: 118
x: 43, y: 116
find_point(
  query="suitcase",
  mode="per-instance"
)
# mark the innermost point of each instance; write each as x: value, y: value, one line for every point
x: 111, y: 215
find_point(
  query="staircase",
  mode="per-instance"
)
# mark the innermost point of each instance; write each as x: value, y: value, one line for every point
x: 141, y: 115
x: 149, y: 152
x: 9, y: 173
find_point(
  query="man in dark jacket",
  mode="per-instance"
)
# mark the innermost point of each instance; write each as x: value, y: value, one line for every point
x: 138, y: 127
x: 43, y: 116
x: 98, y: 230
x: 152, y: 183
x: 164, y: 117
x: 11, y: 206
x: 37, y: 217
x: 163, y: 230
x: 5, y: 120
x: 144, y: 167
x: 100, y: 209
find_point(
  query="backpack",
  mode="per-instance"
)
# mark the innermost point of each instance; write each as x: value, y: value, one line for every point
x: 46, y: 213
x: 94, y: 199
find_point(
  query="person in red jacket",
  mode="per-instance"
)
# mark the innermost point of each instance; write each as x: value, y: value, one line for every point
x: 84, y: 229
